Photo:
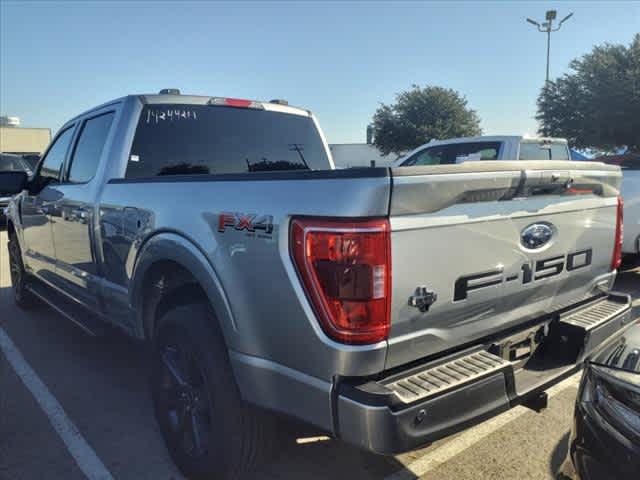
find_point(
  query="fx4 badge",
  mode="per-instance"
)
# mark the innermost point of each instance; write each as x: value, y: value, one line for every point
x: 531, y: 272
x: 250, y: 222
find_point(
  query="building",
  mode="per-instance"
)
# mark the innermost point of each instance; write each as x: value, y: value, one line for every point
x: 22, y: 141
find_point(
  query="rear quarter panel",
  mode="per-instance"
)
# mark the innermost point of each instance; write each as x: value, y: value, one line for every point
x: 271, y: 317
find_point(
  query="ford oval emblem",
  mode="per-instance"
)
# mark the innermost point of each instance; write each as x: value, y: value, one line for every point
x: 536, y: 236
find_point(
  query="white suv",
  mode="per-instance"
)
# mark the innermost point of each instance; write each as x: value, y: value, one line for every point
x: 631, y: 195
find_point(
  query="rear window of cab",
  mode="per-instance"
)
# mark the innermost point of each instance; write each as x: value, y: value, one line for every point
x: 182, y: 139
x: 543, y: 151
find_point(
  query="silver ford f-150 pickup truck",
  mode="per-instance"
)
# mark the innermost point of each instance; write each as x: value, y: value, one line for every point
x: 387, y: 307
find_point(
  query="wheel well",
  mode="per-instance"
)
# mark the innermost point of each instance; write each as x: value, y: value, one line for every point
x: 165, y: 285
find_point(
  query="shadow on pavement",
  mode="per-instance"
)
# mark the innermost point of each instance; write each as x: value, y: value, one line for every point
x: 559, y: 454
x: 102, y: 385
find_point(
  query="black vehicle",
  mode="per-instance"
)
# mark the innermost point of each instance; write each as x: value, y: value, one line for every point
x: 11, y: 163
x: 31, y: 160
x: 605, y: 440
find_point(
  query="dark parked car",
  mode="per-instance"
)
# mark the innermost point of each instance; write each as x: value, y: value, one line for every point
x: 605, y: 441
x: 11, y: 163
x: 31, y: 160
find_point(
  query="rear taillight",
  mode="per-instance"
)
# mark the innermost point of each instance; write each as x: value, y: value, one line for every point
x: 616, y: 261
x: 345, y: 267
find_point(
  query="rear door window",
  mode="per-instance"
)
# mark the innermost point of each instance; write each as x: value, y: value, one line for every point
x: 543, y: 151
x: 89, y: 146
x: 428, y: 156
x: 205, y: 139
x: 477, y: 151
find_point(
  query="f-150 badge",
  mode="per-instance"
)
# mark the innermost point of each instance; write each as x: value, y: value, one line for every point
x: 529, y: 272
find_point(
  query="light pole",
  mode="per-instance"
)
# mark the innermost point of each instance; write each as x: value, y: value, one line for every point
x: 547, y: 27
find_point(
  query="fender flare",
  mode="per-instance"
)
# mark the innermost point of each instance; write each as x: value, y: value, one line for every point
x: 171, y: 246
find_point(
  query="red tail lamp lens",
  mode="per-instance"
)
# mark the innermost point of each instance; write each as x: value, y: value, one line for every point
x: 616, y: 261
x: 345, y: 267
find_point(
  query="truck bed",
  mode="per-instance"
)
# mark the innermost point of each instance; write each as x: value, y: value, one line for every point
x: 446, y: 222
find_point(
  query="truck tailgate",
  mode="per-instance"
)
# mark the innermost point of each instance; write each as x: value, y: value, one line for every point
x: 483, y: 247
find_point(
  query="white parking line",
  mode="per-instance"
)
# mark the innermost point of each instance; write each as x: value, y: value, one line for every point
x: 469, y: 438
x: 80, y: 450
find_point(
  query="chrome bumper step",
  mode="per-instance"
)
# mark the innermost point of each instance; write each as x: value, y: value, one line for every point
x: 589, y: 324
x: 592, y: 316
x: 447, y: 376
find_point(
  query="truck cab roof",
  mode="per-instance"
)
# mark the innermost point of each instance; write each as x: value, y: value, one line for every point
x: 179, y: 99
x: 496, y: 138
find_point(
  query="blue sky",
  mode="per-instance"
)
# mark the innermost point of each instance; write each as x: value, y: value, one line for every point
x: 338, y: 59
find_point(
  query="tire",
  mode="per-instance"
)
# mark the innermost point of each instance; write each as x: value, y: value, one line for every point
x: 209, y: 431
x: 22, y: 297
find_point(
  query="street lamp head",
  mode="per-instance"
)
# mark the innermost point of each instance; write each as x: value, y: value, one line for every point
x: 547, y: 27
x: 566, y: 18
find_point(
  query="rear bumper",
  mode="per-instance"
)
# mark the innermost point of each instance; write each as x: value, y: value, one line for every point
x: 383, y: 430
x: 408, y: 409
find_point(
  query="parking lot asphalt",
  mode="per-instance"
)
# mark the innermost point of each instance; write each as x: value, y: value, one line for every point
x: 101, y: 386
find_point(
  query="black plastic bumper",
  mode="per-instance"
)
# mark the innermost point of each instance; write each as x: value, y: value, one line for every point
x: 370, y: 415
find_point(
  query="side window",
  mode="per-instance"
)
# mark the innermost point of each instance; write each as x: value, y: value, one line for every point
x: 455, y: 153
x: 89, y: 146
x: 543, y: 151
x: 451, y: 153
x: 52, y: 163
x: 464, y: 152
x: 632, y: 163
x: 428, y: 156
x: 559, y: 151
x: 488, y: 154
x: 534, y: 151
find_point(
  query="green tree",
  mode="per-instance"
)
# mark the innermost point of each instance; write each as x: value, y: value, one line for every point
x: 420, y: 115
x: 597, y: 105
